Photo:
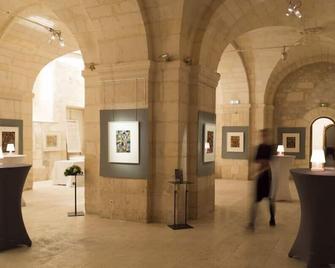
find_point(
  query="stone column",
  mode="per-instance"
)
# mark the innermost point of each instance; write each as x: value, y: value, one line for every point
x: 118, y: 86
x: 201, y: 98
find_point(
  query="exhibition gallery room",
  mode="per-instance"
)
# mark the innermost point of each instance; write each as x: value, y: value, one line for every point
x: 167, y: 133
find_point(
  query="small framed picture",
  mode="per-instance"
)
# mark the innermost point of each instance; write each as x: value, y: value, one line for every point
x: 123, y: 142
x: 235, y: 142
x: 291, y: 142
x: 209, y: 143
x: 52, y: 141
x: 9, y: 135
x: 293, y: 139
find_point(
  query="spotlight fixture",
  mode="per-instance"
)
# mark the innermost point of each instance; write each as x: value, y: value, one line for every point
x: 92, y: 66
x: 56, y: 35
x: 293, y: 8
x: 188, y: 60
x: 165, y: 57
x: 284, y: 54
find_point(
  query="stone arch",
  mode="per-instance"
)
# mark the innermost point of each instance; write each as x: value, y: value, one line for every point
x: 283, y: 70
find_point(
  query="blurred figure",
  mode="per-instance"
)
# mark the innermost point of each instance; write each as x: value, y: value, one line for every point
x: 263, y: 183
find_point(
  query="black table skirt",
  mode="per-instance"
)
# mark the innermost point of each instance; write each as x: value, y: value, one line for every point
x: 12, y: 230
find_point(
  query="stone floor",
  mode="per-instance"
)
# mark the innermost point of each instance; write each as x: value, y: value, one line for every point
x: 218, y: 241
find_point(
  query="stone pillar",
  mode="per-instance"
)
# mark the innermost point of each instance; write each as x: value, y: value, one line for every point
x: 119, y: 86
x: 201, y: 98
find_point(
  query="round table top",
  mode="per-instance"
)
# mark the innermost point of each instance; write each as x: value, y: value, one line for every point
x: 14, y: 165
x: 309, y: 172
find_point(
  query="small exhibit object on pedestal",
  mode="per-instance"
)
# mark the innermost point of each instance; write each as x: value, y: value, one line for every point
x: 280, y: 150
x: 10, y: 148
x: 318, y: 159
x: 179, y: 180
x: 74, y: 171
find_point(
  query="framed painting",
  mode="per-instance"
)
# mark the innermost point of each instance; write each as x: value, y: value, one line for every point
x: 293, y: 139
x: 123, y: 142
x: 52, y: 141
x: 209, y: 142
x: 9, y: 135
x: 291, y: 142
x: 235, y: 142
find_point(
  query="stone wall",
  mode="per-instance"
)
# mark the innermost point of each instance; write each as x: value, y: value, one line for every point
x: 297, y: 101
x: 233, y: 85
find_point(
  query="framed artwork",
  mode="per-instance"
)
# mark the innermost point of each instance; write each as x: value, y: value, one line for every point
x: 209, y: 143
x: 52, y: 141
x: 291, y: 142
x: 9, y: 135
x: 235, y: 142
x: 293, y: 139
x: 123, y: 142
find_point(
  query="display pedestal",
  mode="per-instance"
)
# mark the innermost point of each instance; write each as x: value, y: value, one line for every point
x: 280, y: 169
x: 175, y: 225
x: 75, y: 213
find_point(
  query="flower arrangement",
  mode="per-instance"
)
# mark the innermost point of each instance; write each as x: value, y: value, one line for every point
x: 73, y: 171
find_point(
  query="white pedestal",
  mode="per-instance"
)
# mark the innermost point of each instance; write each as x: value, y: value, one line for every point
x: 280, y: 169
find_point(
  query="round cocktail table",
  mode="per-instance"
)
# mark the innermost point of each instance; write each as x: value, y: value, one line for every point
x: 315, y: 242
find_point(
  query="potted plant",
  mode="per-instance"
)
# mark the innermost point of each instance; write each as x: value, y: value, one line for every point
x: 74, y: 170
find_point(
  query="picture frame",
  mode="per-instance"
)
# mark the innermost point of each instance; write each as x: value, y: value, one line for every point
x: 9, y: 134
x: 209, y: 142
x: 235, y: 142
x: 52, y: 141
x: 293, y: 140
x: 123, y: 142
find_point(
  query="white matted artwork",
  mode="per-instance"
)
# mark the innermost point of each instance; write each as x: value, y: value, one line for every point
x: 209, y: 143
x: 291, y: 142
x: 52, y: 141
x: 123, y: 142
x: 235, y: 142
x: 9, y: 135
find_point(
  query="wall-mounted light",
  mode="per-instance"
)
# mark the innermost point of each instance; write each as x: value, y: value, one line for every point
x: 324, y: 104
x: 188, y: 60
x: 293, y: 8
x: 284, y: 54
x: 280, y: 150
x: 164, y: 57
x: 318, y: 159
x: 234, y: 102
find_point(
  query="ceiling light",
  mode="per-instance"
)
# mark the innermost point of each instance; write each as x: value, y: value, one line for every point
x: 293, y: 8
x: 56, y: 35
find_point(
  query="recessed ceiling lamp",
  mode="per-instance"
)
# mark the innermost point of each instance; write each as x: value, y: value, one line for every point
x: 293, y: 8
x: 284, y: 54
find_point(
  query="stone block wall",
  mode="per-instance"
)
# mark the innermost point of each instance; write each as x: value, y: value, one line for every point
x: 297, y: 102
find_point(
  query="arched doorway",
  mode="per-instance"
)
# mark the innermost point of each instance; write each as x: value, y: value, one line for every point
x: 318, y: 135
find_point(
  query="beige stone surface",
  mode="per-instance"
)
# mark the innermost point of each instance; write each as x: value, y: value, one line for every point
x: 217, y: 241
